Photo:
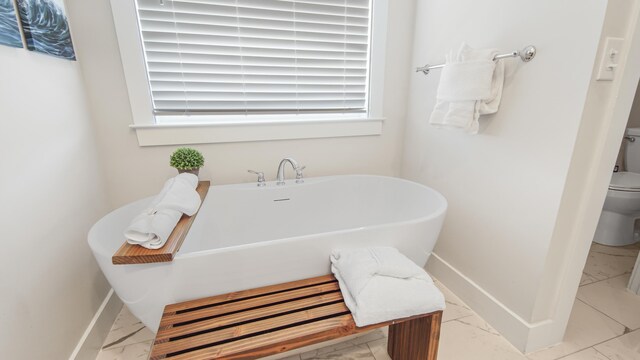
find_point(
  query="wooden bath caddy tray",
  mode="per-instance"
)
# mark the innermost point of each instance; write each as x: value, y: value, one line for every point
x: 136, y: 254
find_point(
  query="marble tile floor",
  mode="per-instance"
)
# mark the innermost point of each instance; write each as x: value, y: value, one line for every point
x: 605, y: 320
x: 604, y: 325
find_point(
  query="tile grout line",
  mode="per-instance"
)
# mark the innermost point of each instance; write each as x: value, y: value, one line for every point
x: 611, y: 278
x: 488, y: 331
x: 598, y: 280
x: 605, y: 356
x: 601, y: 342
x: 595, y: 282
x: 591, y: 251
x: 371, y: 350
x: 594, y: 346
x: 590, y: 347
x: 122, y: 339
x: 598, y: 310
x: 458, y: 318
x: 607, y: 278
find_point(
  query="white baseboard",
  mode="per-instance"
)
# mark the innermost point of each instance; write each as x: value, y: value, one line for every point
x: 98, y: 329
x: 525, y: 336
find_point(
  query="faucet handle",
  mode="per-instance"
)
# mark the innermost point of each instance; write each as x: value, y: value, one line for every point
x: 299, y: 169
x: 261, y: 181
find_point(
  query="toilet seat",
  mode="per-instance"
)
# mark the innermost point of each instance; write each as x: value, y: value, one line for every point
x: 625, y: 181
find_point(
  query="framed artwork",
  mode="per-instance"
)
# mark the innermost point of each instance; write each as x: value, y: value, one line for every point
x: 9, y: 29
x: 45, y: 27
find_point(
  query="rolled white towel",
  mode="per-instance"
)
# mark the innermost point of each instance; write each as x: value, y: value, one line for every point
x: 380, y: 284
x: 181, y: 195
x: 152, y: 227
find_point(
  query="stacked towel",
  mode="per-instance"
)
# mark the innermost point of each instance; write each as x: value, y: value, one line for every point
x: 470, y: 85
x: 380, y: 284
x: 152, y: 227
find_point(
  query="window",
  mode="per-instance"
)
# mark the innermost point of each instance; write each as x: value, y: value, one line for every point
x: 249, y: 62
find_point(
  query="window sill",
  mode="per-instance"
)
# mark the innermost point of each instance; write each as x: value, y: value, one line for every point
x: 227, y: 132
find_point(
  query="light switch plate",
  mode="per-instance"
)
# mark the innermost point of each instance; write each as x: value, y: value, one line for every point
x: 610, y: 59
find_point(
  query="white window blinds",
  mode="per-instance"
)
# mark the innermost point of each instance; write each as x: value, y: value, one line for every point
x: 256, y: 56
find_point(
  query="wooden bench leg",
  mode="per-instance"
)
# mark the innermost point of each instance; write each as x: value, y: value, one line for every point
x: 415, y: 339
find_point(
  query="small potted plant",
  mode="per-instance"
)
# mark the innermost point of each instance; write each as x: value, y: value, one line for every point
x: 187, y: 160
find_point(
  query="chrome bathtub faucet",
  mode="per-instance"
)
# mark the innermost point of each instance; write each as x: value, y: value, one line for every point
x: 298, y: 169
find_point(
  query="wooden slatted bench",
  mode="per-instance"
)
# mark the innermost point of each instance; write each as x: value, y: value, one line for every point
x: 270, y: 320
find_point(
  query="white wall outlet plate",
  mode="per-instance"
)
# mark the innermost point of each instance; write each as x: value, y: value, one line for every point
x: 610, y: 59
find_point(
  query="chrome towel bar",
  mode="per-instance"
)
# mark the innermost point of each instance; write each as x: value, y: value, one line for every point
x: 525, y: 55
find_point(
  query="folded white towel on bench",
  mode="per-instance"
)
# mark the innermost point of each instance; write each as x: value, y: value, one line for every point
x: 152, y: 227
x: 380, y: 284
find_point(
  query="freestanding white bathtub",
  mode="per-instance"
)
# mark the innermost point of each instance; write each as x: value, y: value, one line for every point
x: 247, y: 236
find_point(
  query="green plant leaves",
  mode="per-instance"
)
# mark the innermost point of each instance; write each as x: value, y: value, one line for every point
x: 186, y: 159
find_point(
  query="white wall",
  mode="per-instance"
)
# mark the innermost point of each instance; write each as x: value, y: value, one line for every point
x: 51, y: 192
x: 505, y: 185
x: 134, y: 172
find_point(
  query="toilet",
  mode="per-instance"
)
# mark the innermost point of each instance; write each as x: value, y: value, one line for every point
x: 622, y: 205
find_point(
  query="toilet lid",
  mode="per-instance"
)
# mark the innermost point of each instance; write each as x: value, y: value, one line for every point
x: 625, y: 181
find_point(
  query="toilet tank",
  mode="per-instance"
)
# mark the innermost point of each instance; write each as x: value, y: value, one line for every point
x: 632, y: 150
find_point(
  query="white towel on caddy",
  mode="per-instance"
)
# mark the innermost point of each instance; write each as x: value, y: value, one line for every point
x: 152, y: 227
x: 380, y: 284
x: 470, y: 85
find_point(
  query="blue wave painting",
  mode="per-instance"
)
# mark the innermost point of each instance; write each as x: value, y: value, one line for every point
x: 9, y: 30
x: 46, y: 28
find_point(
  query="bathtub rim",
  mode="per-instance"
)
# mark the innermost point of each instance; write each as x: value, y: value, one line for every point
x: 304, y: 237
x: 440, y: 211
